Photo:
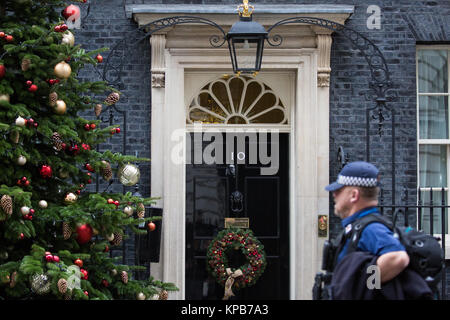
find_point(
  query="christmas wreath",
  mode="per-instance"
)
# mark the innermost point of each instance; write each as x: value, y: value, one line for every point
x: 217, y: 261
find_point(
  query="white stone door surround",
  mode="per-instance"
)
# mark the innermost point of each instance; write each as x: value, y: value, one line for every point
x: 306, y: 54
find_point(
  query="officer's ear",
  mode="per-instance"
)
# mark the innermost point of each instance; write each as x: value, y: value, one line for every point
x: 355, y: 195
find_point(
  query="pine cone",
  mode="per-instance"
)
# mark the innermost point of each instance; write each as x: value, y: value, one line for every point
x: 117, y: 239
x: 25, y: 64
x: 124, y: 276
x: 98, y: 109
x: 67, y: 230
x: 57, y: 141
x: 163, y: 295
x: 13, y: 281
x: 106, y: 171
x: 52, y: 98
x: 14, y: 136
x: 112, y: 98
x: 140, y: 210
x: 62, y: 286
x: 7, y: 204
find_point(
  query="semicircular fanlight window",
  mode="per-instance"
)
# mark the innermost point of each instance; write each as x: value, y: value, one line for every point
x: 236, y: 100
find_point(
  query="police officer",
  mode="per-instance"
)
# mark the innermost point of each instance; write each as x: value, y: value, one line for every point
x: 355, y: 194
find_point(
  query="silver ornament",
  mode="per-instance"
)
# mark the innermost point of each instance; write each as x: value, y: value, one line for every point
x: 40, y: 283
x: 129, y: 175
x: 25, y: 210
x: 21, y: 160
x: 128, y: 210
x: 43, y: 204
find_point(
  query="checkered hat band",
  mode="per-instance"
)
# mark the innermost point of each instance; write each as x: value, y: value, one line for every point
x: 357, y: 181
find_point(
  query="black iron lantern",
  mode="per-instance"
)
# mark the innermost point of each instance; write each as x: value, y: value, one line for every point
x: 246, y: 42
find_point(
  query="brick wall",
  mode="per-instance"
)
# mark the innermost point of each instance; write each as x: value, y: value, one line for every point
x: 403, y: 23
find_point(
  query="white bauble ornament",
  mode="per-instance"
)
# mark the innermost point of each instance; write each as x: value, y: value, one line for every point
x: 128, y: 210
x: 70, y: 198
x: 43, y: 204
x: 129, y: 175
x: 21, y: 160
x: 4, y: 97
x: 20, y: 122
x: 68, y: 38
x: 154, y: 297
x: 25, y: 210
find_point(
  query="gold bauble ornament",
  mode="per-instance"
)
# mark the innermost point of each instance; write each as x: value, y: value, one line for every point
x: 4, y: 97
x: 140, y: 296
x: 68, y: 38
x: 129, y: 175
x: 62, y: 70
x: 60, y: 107
x: 70, y: 198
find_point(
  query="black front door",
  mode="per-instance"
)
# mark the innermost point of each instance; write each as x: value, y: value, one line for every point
x: 265, y: 195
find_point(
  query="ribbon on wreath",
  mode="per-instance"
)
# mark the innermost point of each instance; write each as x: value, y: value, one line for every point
x: 229, y: 283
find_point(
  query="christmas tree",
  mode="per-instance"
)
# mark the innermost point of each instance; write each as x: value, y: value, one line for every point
x: 55, y: 235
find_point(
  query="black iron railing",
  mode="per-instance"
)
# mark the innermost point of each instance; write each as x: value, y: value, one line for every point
x: 431, y: 205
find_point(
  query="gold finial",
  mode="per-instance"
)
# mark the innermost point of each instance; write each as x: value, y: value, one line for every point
x: 245, y: 9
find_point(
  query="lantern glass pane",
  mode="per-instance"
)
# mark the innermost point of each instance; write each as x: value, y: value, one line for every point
x: 246, y: 53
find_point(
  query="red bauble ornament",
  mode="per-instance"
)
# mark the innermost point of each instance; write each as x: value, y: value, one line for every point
x: 93, y: 126
x: 49, y: 258
x: 46, y: 171
x: 84, y: 234
x: 9, y: 38
x: 87, y: 127
x: 105, y: 283
x: 70, y: 11
x: 99, y: 58
x: 110, y: 201
x: 78, y: 262
x: 117, y: 130
x: 2, y: 71
x: 72, y: 150
x: 55, y: 259
x: 33, y: 88
x: 2, y: 34
x: 151, y: 226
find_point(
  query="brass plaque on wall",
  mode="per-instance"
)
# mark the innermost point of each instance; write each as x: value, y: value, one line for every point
x: 243, y: 223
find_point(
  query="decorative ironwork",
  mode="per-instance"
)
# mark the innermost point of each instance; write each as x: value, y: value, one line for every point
x: 374, y: 57
x: 112, y: 72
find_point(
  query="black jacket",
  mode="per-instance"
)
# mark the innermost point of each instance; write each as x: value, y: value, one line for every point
x: 350, y: 276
